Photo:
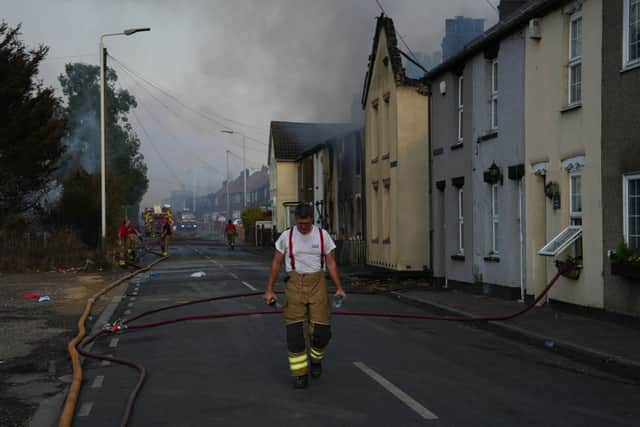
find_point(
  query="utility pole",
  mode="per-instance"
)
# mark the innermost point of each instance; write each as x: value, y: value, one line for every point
x: 228, y: 204
x: 195, y: 188
x: 103, y: 129
x: 244, y: 167
x: 244, y: 160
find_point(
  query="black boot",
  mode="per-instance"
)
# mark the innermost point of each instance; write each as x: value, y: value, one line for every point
x: 301, y: 381
x: 316, y: 370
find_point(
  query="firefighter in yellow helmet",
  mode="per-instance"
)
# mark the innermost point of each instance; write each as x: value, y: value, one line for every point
x: 305, y: 249
x: 165, y: 235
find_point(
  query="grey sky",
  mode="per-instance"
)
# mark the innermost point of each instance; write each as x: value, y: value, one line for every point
x: 249, y: 60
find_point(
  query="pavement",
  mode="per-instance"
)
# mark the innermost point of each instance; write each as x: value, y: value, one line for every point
x: 378, y: 371
x: 603, y: 343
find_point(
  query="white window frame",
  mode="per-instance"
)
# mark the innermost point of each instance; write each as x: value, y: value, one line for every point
x: 575, y: 62
x: 494, y: 94
x: 572, y: 213
x: 625, y: 203
x: 575, y: 233
x: 460, y: 109
x: 495, y: 219
x: 626, y: 25
x: 460, y: 221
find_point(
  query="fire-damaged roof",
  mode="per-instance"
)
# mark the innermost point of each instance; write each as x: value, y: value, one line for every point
x: 385, y: 24
x: 290, y: 140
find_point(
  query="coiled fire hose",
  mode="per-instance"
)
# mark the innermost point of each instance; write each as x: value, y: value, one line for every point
x: 66, y: 418
x: 124, y: 325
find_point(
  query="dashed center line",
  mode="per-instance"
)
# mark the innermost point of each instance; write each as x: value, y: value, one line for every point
x: 391, y: 388
x: 250, y: 286
x: 85, y: 409
x: 114, y: 342
x: 235, y: 276
x: 97, y: 381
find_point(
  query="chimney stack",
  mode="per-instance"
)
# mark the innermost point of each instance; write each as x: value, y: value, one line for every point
x: 508, y: 7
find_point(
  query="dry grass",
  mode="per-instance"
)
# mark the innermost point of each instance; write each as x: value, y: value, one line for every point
x: 23, y: 252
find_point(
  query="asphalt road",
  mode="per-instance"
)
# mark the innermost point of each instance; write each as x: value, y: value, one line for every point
x: 382, y: 372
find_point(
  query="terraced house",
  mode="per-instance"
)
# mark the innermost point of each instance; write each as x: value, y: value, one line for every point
x: 396, y: 146
x: 477, y: 155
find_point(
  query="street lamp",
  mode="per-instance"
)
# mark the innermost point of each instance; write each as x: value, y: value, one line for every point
x: 227, y: 185
x: 244, y: 160
x: 103, y: 127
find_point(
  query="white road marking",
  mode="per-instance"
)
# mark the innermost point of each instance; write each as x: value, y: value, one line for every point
x: 248, y: 285
x: 391, y: 388
x: 97, y: 381
x: 127, y: 312
x: 106, y: 362
x: 130, y: 304
x: 85, y: 409
x: 114, y: 342
x: 235, y: 276
x: 132, y: 299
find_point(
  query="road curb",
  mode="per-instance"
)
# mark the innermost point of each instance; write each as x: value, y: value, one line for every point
x: 595, y: 358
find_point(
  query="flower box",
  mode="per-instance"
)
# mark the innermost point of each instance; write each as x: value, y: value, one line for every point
x: 630, y: 271
x: 569, y: 268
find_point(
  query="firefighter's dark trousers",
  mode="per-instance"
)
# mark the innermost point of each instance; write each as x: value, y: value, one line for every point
x: 306, y: 305
x: 165, y: 244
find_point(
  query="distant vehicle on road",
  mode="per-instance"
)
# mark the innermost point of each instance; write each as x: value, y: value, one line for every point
x: 187, y: 221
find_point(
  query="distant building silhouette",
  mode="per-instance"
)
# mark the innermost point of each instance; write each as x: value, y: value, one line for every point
x: 458, y: 32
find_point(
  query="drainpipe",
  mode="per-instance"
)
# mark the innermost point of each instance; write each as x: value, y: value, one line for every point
x: 430, y: 185
x: 520, y: 213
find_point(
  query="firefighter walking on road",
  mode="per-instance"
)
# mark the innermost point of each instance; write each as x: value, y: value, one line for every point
x: 165, y: 234
x: 306, y: 249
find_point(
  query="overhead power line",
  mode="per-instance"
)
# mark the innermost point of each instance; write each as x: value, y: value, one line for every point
x: 413, y: 58
x: 185, y: 105
x: 150, y: 141
x: 169, y: 109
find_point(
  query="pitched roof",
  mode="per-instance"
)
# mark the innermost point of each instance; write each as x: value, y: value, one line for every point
x: 292, y: 139
x: 385, y: 24
x: 519, y: 19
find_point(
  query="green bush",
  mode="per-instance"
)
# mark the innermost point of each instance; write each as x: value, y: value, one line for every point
x: 625, y: 255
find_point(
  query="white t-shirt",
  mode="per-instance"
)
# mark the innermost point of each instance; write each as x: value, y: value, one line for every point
x: 306, y: 249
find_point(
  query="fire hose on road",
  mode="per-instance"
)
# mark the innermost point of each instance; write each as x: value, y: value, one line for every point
x: 125, y: 325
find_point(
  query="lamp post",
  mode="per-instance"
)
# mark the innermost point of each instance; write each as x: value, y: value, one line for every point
x: 103, y: 128
x: 227, y: 185
x: 244, y: 161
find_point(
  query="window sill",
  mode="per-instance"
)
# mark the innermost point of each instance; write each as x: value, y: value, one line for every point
x: 374, y: 240
x: 571, y: 107
x: 630, y: 66
x: 492, y: 258
x: 493, y: 134
x: 386, y: 241
x: 457, y: 257
x: 457, y: 146
x: 385, y: 156
x: 374, y: 160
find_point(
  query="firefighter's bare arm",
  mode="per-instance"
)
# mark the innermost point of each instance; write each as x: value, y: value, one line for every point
x: 333, y: 272
x: 273, y: 276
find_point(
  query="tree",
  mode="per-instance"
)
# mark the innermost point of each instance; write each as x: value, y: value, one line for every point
x: 125, y: 164
x: 32, y: 125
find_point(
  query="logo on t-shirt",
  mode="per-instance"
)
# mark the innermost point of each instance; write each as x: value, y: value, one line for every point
x: 315, y: 246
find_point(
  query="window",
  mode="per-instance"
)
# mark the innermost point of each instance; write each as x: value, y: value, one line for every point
x: 575, y: 198
x: 632, y: 211
x: 575, y: 59
x: 494, y: 95
x: 494, y: 219
x: 460, y: 222
x: 460, y: 109
x: 562, y: 241
x: 575, y: 209
x: 631, y: 32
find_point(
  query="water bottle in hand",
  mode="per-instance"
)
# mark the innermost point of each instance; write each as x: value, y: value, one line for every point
x: 337, y: 301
